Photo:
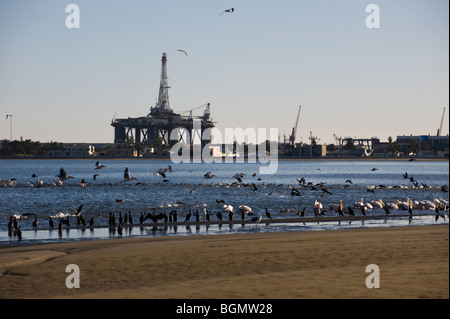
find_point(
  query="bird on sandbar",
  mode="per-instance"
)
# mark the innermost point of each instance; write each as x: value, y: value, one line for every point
x: 35, y: 222
x: 256, y: 219
x: 245, y: 209
x: 350, y: 211
x: 268, y: 213
x: 19, y: 233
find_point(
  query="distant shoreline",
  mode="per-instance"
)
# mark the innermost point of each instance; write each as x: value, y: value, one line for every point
x: 280, y: 158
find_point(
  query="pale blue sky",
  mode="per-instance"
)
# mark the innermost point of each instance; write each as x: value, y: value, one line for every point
x: 255, y: 66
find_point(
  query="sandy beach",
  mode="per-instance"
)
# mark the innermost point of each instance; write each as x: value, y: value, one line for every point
x: 413, y: 263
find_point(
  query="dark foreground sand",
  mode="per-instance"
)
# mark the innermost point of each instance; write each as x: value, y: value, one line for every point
x: 413, y: 263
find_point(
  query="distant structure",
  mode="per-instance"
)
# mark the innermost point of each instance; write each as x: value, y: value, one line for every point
x: 154, y: 129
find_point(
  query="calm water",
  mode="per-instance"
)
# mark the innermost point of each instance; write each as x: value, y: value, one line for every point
x: 185, y: 188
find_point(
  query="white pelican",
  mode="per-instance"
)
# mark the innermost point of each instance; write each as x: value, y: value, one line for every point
x: 377, y: 204
x: 227, y: 209
x: 359, y: 204
x: 245, y: 209
x: 317, y: 208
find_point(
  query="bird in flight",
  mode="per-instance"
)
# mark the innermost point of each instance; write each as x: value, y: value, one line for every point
x: 162, y: 172
x: 228, y: 10
x: 209, y: 175
x: 98, y: 165
x: 179, y: 50
x: 127, y: 176
x: 239, y: 177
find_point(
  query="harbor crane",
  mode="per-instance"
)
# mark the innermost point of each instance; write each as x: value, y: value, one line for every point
x: 337, y: 139
x: 294, y: 129
x: 439, y: 131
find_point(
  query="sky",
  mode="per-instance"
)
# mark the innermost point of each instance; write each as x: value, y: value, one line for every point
x: 255, y: 66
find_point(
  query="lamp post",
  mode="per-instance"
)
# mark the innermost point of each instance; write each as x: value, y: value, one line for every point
x: 10, y: 129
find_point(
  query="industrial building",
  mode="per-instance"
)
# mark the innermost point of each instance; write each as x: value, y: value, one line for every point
x: 154, y: 129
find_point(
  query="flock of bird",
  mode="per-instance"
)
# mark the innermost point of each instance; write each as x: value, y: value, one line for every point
x: 227, y: 210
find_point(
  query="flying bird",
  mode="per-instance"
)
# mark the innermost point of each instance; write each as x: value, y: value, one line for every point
x: 209, y: 175
x: 228, y: 10
x: 98, y: 165
x: 239, y: 177
x: 126, y: 175
x: 162, y: 172
x: 181, y: 51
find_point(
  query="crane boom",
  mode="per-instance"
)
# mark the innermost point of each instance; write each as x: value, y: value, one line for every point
x: 294, y: 129
x: 440, y: 126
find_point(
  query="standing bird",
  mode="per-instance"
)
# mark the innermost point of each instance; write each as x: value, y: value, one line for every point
x: 303, y: 212
x: 350, y: 211
x: 188, y: 216
x: 51, y: 223
x: 35, y: 223
x: 256, y: 219
x: 364, y: 210
x: 341, y: 209
x: 268, y: 214
x: 317, y: 208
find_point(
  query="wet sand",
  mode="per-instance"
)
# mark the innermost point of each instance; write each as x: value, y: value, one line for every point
x: 413, y: 263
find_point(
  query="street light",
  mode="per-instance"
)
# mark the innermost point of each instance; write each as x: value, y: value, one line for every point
x: 10, y: 132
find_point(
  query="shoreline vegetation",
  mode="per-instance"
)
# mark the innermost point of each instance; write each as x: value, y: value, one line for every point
x: 413, y: 263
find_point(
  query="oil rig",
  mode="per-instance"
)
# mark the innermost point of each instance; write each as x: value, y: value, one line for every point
x: 154, y: 129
